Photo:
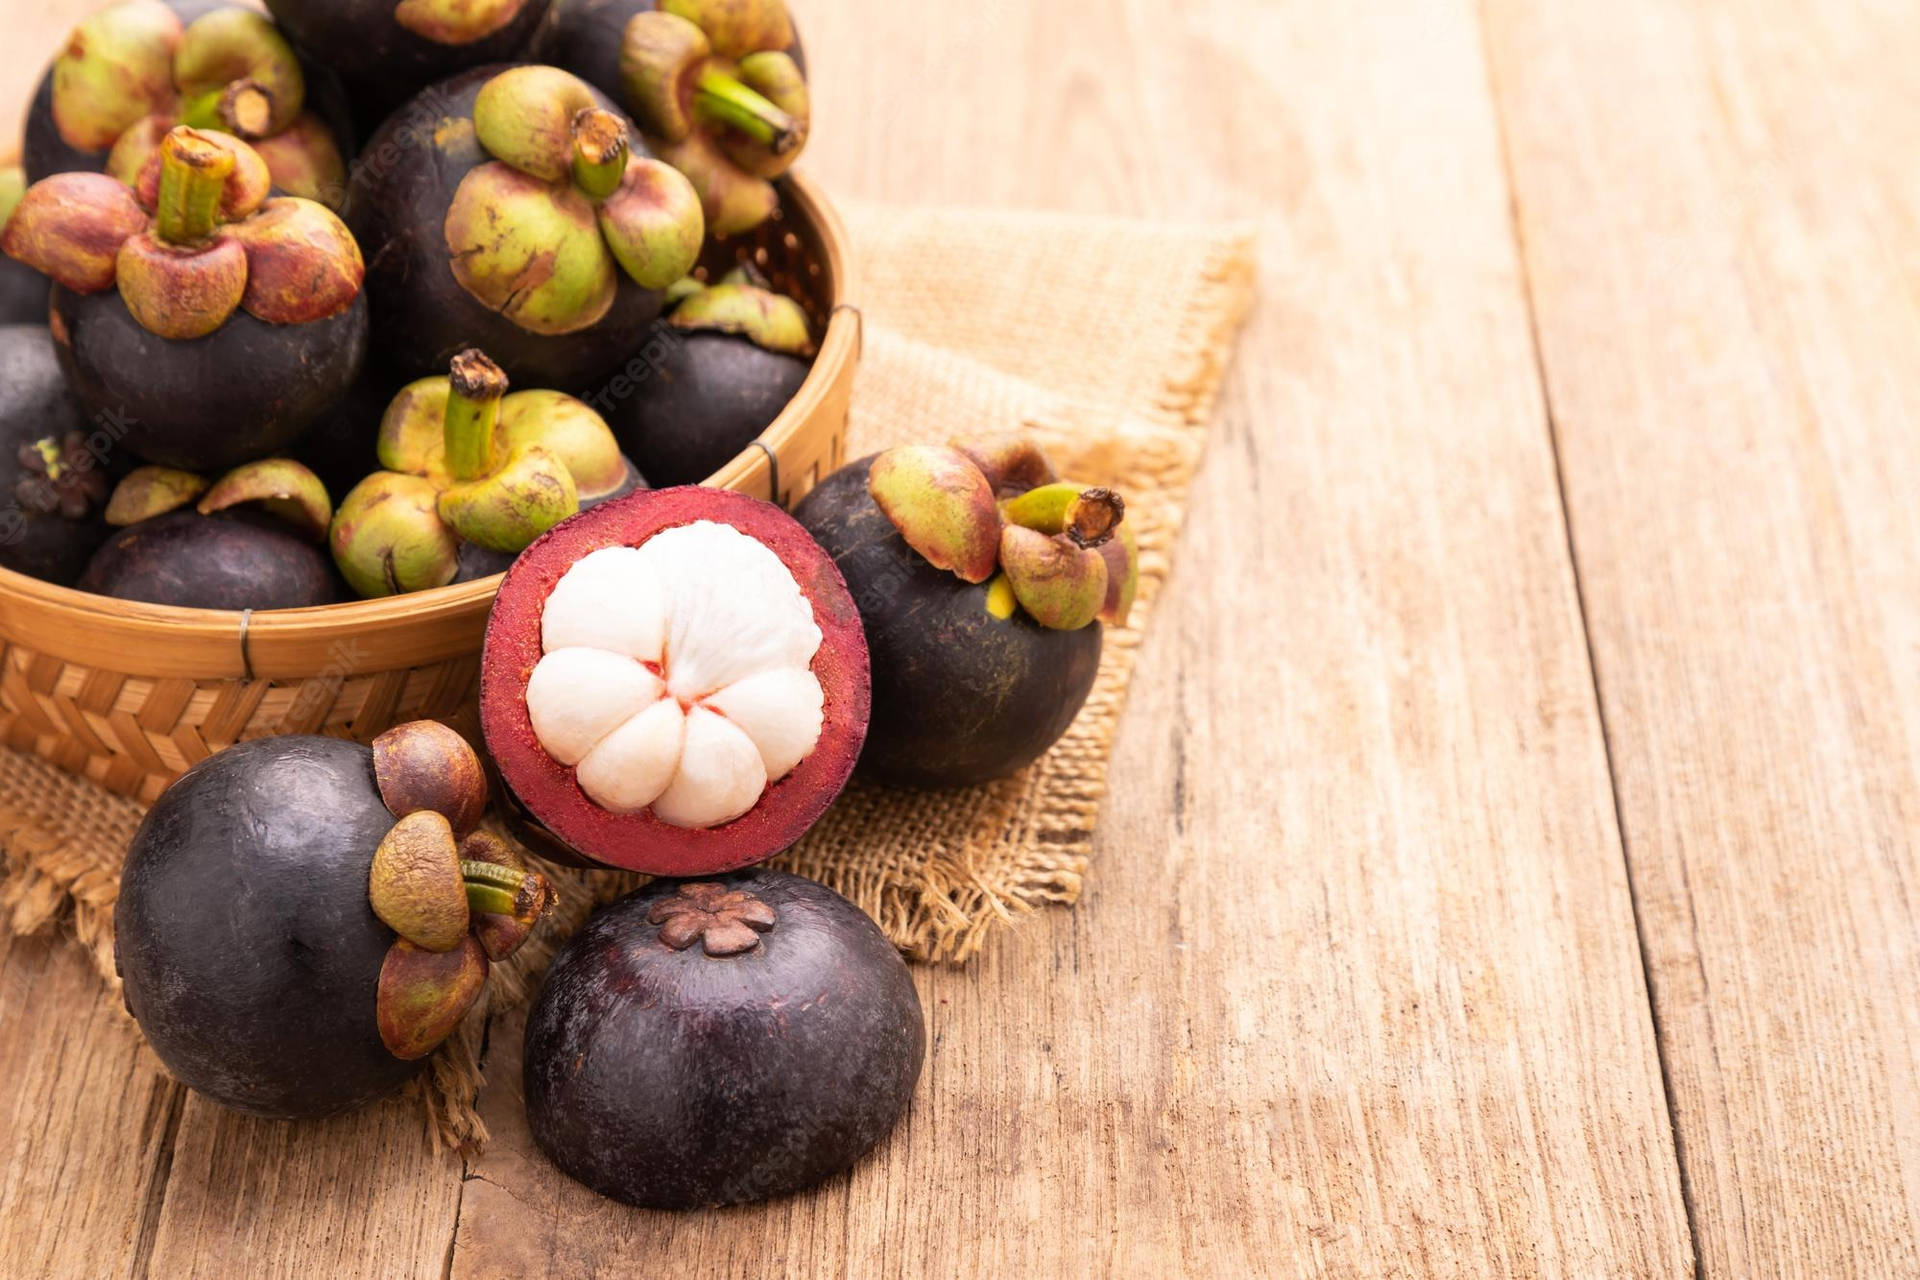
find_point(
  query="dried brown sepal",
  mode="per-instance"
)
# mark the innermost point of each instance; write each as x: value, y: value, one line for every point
x: 1012, y: 464
x: 181, y: 294
x: 415, y: 886
x: 423, y: 995
x: 1063, y: 587
x: 726, y: 922
x: 285, y: 488
x: 942, y: 505
x: 71, y: 226
x: 425, y: 765
x: 302, y: 262
x: 147, y: 492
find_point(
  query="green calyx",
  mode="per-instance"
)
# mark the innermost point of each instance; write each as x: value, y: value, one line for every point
x: 1061, y: 552
x: 193, y: 239
x: 457, y: 896
x: 280, y: 487
x: 133, y: 64
x: 542, y: 231
x: 466, y: 462
x: 771, y: 321
x: 716, y: 91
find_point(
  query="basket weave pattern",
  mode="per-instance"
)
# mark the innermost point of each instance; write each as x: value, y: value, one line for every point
x: 130, y: 696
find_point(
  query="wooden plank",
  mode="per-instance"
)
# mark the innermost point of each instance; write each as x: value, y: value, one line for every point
x: 86, y: 1119
x: 1721, y: 221
x: 1355, y: 988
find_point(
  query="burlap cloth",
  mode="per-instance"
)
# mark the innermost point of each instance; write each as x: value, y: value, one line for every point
x: 1104, y: 339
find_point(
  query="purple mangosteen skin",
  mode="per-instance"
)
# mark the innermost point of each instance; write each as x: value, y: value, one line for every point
x: 249, y: 954
x: 960, y: 698
x: 230, y: 560
x: 675, y: 1079
x: 35, y: 405
x: 245, y: 391
x: 397, y: 204
x: 23, y: 294
x: 382, y: 63
x: 708, y: 396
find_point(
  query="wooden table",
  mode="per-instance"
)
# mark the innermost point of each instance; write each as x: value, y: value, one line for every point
x: 1511, y: 866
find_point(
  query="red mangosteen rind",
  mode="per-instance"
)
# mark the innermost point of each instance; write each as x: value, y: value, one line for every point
x: 548, y: 792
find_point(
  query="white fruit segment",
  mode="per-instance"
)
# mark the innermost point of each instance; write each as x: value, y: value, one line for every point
x: 677, y: 675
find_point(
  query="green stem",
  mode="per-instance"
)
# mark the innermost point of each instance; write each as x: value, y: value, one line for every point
x: 723, y: 99
x: 476, y: 385
x: 494, y: 890
x: 600, y: 149
x: 1087, y: 517
x: 193, y: 177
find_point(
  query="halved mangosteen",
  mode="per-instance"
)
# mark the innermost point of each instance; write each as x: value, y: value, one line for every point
x: 302, y: 920
x: 134, y: 69
x: 675, y: 682
x: 982, y: 583
x: 513, y: 209
x: 250, y: 540
x: 721, y: 1041
x: 54, y: 474
x: 210, y: 324
x: 741, y: 352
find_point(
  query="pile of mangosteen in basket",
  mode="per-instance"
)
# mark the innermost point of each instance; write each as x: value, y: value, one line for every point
x: 316, y: 307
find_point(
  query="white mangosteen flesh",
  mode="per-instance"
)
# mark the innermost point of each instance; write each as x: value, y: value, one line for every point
x: 677, y: 676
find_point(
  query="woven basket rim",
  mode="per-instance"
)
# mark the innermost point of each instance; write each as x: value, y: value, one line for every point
x: 421, y: 627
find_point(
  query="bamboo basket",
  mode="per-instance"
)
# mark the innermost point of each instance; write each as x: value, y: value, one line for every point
x: 130, y: 695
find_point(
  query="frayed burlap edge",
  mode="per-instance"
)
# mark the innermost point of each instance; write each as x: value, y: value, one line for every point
x: 56, y: 830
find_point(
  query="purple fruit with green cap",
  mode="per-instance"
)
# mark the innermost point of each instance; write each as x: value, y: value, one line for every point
x: 512, y: 209
x: 251, y: 539
x: 719, y: 1041
x: 302, y: 920
x: 719, y: 88
x: 385, y: 51
x: 739, y: 353
x: 55, y: 472
x: 208, y: 323
x: 472, y: 476
x: 983, y: 582
x: 134, y: 69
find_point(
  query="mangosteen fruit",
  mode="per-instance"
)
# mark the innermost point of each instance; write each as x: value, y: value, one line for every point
x: 472, y: 476
x: 250, y: 540
x: 510, y: 209
x: 134, y: 69
x: 211, y: 324
x: 982, y: 583
x: 718, y: 1041
x: 740, y: 353
x: 385, y: 51
x: 718, y: 86
x: 302, y: 919
x: 674, y: 682
x: 23, y: 291
x: 54, y: 474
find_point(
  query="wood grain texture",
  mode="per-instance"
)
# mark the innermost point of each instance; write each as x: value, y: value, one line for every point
x: 86, y: 1120
x: 1355, y: 989
x: 1722, y: 225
